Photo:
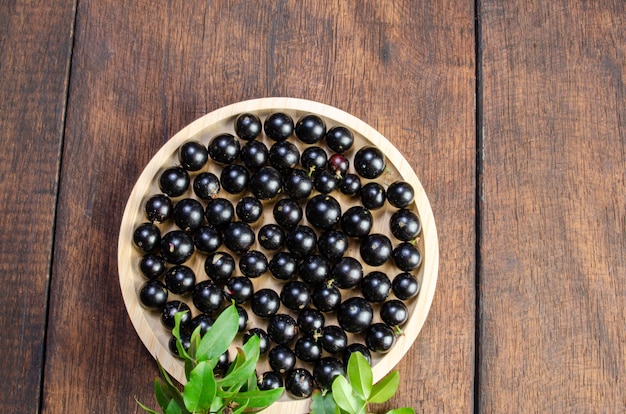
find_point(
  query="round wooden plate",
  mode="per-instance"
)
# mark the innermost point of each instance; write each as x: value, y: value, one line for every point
x: 147, y: 323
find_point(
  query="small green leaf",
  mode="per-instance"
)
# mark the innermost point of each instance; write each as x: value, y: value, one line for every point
x: 200, y: 389
x: 217, y: 405
x: 323, y: 404
x: 170, y: 391
x: 162, y: 398
x: 176, y: 333
x: 145, y: 408
x: 259, y: 398
x: 360, y: 375
x: 385, y: 388
x: 342, y: 394
x: 404, y: 410
x: 244, y: 368
x: 174, y: 408
x: 219, y: 337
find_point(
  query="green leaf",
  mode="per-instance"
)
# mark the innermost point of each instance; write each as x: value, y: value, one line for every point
x: 162, y: 398
x: 360, y: 375
x: 176, y: 333
x: 385, y: 388
x: 343, y: 396
x: 170, y: 391
x: 323, y: 404
x: 244, y: 366
x: 404, y: 410
x: 145, y: 408
x: 200, y: 389
x: 219, y: 337
x: 259, y: 398
x: 174, y: 408
x: 217, y: 405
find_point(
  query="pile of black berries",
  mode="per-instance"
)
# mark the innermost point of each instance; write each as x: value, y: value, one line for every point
x: 283, y: 201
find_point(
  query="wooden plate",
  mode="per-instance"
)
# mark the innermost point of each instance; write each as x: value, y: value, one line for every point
x: 147, y: 323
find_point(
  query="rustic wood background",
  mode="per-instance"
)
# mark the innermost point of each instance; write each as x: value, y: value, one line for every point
x: 513, y: 115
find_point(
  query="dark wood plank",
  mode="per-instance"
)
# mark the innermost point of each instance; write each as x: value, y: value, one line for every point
x: 138, y: 77
x: 552, y: 207
x: 35, y: 43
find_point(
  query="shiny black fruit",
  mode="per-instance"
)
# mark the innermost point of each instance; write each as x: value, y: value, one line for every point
x: 206, y: 185
x: 405, y: 286
x: 265, y: 303
x: 301, y: 241
x: 299, y: 383
x: 295, y: 295
x: 153, y: 294
x: 219, y: 211
x: 282, y: 329
x: 180, y: 279
x: 326, y: 298
x: 308, y: 349
x: 207, y: 239
x: 287, y: 213
x: 234, y: 178
x: 355, y: 314
x: 238, y: 289
x: 152, y: 266
x: 372, y: 196
x: 281, y: 359
x: 356, y: 347
x: 253, y: 263
x: 326, y: 370
x: 248, y: 126
x: 333, y: 339
x: 271, y: 236
x: 283, y: 266
x: 249, y: 209
x: 176, y: 247
x: 379, y: 338
x: 254, y: 155
x: 265, y: 183
x: 238, y: 236
x: 192, y: 155
x: 269, y: 380
x: 147, y: 237
x: 369, y: 162
x: 375, y: 249
x: 310, y: 321
x: 400, y: 194
x: 332, y: 244
x: 357, y: 221
x: 159, y: 208
x: 188, y: 214
x: 219, y: 266
x: 310, y: 129
x: 224, y: 148
x: 404, y: 225
x: 339, y: 139
x: 394, y: 313
x: 406, y: 256
x: 174, y: 181
x: 323, y: 211
x: 284, y: 156
x: 207, y: 297
x: 375, y: 287
x: 346, y: 272
x: 278, y: 126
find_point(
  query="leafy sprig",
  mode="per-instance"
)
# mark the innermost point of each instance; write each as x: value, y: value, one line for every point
x: 352, y: 394
x: 236, y: 391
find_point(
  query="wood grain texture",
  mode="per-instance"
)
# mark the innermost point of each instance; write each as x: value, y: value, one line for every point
x: 553, y: 219
x: 403, y: 67
x: 35, y: 44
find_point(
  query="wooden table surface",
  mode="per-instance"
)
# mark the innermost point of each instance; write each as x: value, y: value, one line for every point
x: 512, y: 114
